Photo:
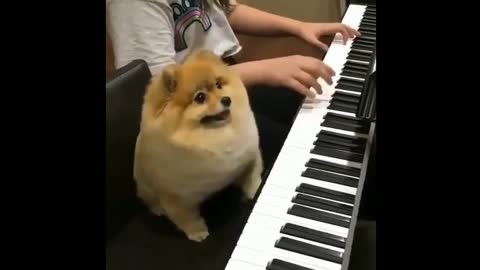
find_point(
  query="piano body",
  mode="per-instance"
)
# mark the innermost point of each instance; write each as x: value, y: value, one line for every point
x: 306, y: 213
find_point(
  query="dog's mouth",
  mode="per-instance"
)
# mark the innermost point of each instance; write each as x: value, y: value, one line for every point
x: 216, y: 118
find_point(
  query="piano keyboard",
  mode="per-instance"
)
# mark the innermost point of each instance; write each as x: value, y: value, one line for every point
x: 305, y: 215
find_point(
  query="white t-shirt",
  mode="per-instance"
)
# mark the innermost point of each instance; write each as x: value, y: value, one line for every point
x: 163, y: 32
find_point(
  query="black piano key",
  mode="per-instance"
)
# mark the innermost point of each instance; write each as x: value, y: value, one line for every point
x: 330, y: 177
x: 367, y: 26
x: 371, y: 24
x: 344, y: 122
x: 357, y: 70
x: 366, y: 20
x: 346, y: 127
x: 348, y: 88
x: 309, y: 213
x: 352, y: 82
x: 363, y: 31
x: 362, y: 47
x: 365, y: 42
x: 369, y: 12
x: 356, y: 124
x: 342, y: 139
x: 360, y: 67
x: 347, y: 97
x: 365, y: 39
x: 343, y: 102
x: 313, y: 235
x: 319, y: 203
x: 359, y: 57
x: 309, y: 250
x: 366, y: 54
x: 335, y: 153
x: 277, y: 264
x: 368, y: 33
x: 332, y: 167
x: 335, y: 140
x: 356, y: 66
x: 370, y: 16
x: 342, y: 106
x: 326, y: 193
x: 346, y: 119
x: 354, y: 74
x: 362, y: 53
x: 343, y: 83
x: 353, y: 149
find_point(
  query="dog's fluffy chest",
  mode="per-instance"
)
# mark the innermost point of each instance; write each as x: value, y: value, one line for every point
x: 213, y: 160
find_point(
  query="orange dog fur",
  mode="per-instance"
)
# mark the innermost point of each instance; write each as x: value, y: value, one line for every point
x: 197, y: 136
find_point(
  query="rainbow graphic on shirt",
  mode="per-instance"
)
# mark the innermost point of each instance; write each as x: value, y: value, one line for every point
x: 184, y: 15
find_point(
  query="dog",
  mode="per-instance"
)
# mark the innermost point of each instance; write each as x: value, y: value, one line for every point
x: 197, y: 136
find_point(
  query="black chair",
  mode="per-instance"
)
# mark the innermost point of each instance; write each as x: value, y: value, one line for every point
x: 124, y: 95
x: 136, y: 239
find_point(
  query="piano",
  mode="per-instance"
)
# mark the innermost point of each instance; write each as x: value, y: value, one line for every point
x: 305, y: 215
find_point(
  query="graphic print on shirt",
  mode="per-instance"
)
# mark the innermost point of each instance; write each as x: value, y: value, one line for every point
x: 185, y: 14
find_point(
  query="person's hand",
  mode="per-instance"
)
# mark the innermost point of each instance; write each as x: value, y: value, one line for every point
x: 312, y: 32
x: 298, y: 73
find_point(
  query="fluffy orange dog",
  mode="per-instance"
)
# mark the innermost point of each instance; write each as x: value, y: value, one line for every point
x: 197, y: 136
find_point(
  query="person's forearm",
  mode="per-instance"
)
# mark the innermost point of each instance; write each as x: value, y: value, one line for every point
x: 251, y: 21
x: 249, y: 73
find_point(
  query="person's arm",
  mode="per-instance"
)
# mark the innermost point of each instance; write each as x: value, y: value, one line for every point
x: 247, y: 20
x: 251, y: 21
x: 299, y: 73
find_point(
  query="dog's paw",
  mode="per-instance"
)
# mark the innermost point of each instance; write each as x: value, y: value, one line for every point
x: 157, y: 210
x: 251, y: 186
x: 198, y: 236
x: 197, y: 231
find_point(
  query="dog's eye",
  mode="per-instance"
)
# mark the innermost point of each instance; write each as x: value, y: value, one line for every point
x: 219, y: 83
x: 200, y: 97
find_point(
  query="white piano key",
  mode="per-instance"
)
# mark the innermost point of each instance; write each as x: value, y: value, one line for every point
x: 288, y: 194
x: 281, y: 213
x: 262, y: 258
x: 275, y: 224
x: 276, y: 201
x: 291, y: 162
x: 261, y: 240
x: 253, y: 231
x: 234, y: 264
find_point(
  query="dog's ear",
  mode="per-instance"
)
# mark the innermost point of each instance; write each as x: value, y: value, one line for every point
x: 169, y: 78
x: 205, y: 55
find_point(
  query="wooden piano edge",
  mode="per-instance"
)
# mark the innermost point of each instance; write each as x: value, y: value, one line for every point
x: 358, y: 198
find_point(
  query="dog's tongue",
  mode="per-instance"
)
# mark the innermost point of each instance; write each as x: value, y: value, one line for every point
x: 222, y: 115
x: 218, y: 117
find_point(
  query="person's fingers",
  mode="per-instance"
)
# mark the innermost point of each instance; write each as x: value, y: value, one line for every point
x: 317, y: 69
x: 295, y: 85
x: 345, y: 34
x: 320, y: 44
x: 309, y: 81
x: 354, y: 32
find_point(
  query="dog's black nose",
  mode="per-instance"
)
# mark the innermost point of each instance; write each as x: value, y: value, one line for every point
x: 226, y: 101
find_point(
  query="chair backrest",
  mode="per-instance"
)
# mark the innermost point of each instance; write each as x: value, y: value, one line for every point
x: 124, y: 99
